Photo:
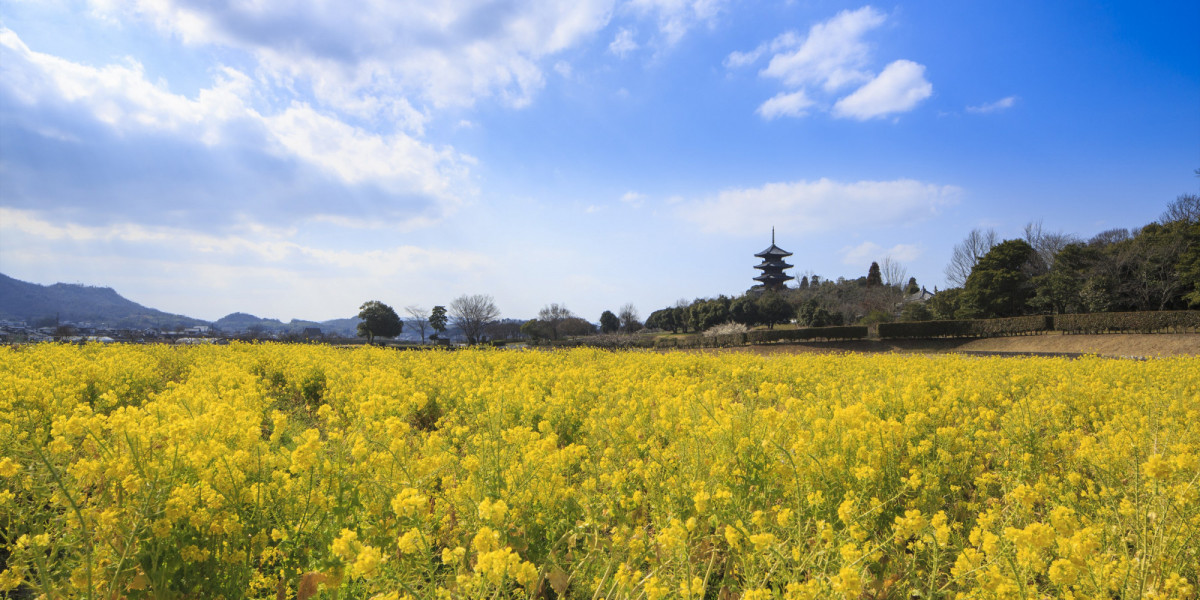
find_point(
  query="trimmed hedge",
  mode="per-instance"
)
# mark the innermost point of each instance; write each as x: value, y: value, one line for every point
x: 1176, y: 321
x: 966, y: 327
x: 807, y: 333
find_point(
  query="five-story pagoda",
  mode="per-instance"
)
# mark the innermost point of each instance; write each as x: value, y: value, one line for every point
x: 772, y: 266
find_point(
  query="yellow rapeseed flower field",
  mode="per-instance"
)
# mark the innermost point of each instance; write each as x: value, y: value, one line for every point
x: 288, y: 471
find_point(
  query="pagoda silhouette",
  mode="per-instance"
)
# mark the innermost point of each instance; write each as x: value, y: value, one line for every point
x: 772, y: 265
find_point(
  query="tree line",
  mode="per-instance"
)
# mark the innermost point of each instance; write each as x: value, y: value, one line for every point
x: 478, y: 319
x: 1154, y: 267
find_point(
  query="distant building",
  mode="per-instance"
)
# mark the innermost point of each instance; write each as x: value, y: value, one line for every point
x: 772, y: 266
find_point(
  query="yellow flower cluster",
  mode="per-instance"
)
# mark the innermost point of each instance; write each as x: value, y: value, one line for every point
x: 264, y: 471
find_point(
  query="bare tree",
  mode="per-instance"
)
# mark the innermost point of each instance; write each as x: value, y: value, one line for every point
x: 553, y: 316
x: 629, y: 318
x: 967, y: 253
x: 894, y: 274
x: 420, y: 319
x: 1110, y: 236
x: 1185, y: 208
x: 1047, y: 244
x: 471, y: 314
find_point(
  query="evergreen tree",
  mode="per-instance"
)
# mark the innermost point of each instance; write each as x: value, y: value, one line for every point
x: 874, y: 278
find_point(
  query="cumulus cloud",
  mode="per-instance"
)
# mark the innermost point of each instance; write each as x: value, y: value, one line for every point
x: 817, y: 206
x: 899, y: 88
x: 866, y: 252
x: 832, y: 57
x: 122, y: 141
x: 991, y: 107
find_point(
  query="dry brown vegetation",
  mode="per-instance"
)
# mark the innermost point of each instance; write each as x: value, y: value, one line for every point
x: 1111, y: 344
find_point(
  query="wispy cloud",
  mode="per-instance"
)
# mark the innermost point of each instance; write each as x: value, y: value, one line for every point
x: 634, y: 199
x: 623, y: 44
x: 675, y: 18
x: 991, y: 107
x: 822, y: 205
x: 867, y: 252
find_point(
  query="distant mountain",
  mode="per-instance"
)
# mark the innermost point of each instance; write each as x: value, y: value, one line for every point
x: 241, y: 323
x: 64, y: 302
x: 47, y: 305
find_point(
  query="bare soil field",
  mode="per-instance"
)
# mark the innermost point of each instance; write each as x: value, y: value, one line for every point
x: 1130, y: 345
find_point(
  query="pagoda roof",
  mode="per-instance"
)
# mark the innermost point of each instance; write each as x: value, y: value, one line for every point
x: 777, y: 263
x: 773, y: 278
x: 773, y: 251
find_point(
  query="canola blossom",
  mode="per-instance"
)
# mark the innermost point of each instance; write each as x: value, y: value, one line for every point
x: 291, y: 471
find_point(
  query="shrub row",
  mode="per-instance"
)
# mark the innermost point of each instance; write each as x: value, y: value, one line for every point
x: 724, y: 340
x: 1177, y: 321
x: 807, y: 333
x: 612, y: 341
x: 966, y: 327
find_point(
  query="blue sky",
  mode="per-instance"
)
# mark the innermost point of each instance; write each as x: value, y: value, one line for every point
x: 293, y: 160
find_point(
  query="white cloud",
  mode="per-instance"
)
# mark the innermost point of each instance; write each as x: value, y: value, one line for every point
x: 867, y: 252
x: 784, y: 104
x: 375, y: 58
x: 997, y: 106
x: 831, y: 57
x: 819, y: 206
x: 744, y: 59
x: 623, y: 44
x: 125, y: 105
x: 633, y: 199
x: 676, y: 17
x: 899, y: 88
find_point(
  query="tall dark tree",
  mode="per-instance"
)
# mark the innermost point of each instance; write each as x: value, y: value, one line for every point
x: 912, y: 286
x: 609, y: 323
x: 438, y: 320
x: 874, y: 278
x: 1061, y: 289
x: 378, y: 319
x: 1000, y: 284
